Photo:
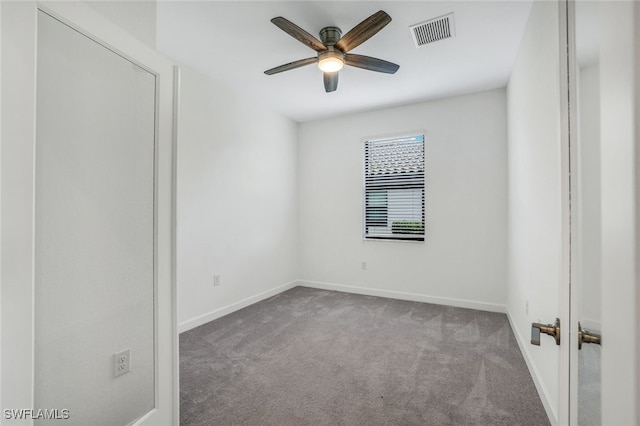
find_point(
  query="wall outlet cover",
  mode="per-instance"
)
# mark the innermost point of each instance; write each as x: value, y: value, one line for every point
x: 121, y: 362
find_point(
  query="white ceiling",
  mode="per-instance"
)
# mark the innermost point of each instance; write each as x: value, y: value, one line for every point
x: 234, y: 42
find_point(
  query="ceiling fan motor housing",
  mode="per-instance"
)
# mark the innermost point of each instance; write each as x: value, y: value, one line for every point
x: 330, y: 35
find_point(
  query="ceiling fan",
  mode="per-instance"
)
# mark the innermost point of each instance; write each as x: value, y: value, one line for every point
x: 333, y: 49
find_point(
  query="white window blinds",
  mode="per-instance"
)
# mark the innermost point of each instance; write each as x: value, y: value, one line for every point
x: 394, y: 189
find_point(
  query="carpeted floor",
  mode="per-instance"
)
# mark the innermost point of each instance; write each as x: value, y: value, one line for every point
x: 315, y: 357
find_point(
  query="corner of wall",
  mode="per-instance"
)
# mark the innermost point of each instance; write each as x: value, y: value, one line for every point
x: 232, y: 307
x: 237, y: 200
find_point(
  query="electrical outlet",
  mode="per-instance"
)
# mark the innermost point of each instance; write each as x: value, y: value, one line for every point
x: 216, y: 280
x: 121, y: 362
x: 363, y: 266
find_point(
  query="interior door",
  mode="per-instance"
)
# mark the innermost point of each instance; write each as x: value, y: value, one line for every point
x: 587, y: 200
x: 88, y: 296
x: 604, y: 306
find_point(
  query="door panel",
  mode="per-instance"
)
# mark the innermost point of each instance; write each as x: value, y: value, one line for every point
x: 94, y: 229
x: 604, y: 212
x: 586, y: 198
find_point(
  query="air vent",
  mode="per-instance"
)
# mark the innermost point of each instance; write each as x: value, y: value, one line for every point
x: 433, y: 30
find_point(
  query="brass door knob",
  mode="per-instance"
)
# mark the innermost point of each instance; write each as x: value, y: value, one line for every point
x: 552, y: 330
x: 586, y: 336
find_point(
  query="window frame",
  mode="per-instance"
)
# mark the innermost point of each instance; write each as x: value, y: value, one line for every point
x: 390, y: 237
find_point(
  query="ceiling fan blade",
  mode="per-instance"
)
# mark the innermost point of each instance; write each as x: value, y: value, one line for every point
x: 363, y: 31
x: 291, y: 65
x: 299, y: 34
x: 371, y: 64
x: 330, y: 81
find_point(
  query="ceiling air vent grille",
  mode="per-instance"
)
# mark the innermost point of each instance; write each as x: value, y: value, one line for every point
x: 433, y: 30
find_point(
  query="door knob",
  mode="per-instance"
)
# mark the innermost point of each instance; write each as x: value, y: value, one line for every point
x: 550, y: 329
x: 586, y: 336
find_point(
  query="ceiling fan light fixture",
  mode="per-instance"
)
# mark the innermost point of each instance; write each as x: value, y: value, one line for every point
x: 333, y: 51
x: 330, y: 61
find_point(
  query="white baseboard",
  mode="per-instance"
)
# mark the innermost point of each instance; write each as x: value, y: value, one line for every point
x: 414, y: 297
x: 523, y: 344
x: 225, y: 310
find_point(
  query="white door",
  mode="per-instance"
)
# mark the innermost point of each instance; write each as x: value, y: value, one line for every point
x: 587, y: 228
x: 88, y: 331
x: 604, y: 306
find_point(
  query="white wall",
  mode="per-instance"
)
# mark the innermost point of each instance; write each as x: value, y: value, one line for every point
x: 237, y: 200
x: 535, y: 199
x: 463, y: 259
x: 138, y: 18
x: 619, y: 26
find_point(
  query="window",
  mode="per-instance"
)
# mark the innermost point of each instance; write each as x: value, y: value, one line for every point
x: 394, y: 189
